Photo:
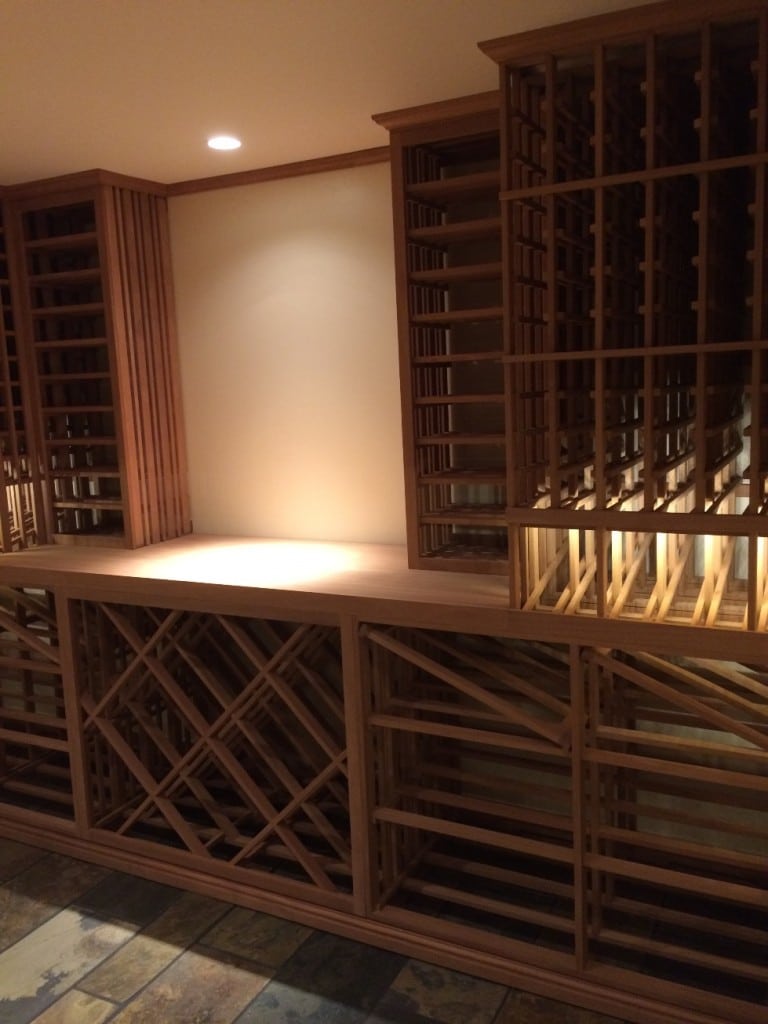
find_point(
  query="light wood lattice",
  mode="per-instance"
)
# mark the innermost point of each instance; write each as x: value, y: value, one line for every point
x: 222, y: 737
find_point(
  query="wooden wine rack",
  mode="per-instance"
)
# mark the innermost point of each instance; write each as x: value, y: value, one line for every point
x: 446, y: 178
x: 219, y: 736
x: 607, y: 449
x: 94, y: 323
x: 634, y: 199
x: 374, y: 755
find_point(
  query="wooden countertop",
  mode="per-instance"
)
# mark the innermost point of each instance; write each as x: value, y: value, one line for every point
x: 227, y: 573
x: 317, y: 581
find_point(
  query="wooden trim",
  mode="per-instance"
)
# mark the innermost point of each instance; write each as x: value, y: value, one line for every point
x: 316, y: 165
x: 90, y: 179
x: 531, y: 47
x: 443, y: 110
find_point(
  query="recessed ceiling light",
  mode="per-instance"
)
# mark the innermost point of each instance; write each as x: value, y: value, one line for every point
x: 224, y: 142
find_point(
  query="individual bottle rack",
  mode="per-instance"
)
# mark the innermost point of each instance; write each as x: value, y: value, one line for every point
x: 70, y: 342
x: 446, y: 180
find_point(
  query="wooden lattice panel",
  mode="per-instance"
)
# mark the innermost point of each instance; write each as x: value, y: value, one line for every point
x: 222, y: 737
x: 713, y: 580
x: 34, y: 734
x: 676, y: 821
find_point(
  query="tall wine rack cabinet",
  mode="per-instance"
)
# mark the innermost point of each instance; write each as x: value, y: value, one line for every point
x: 634, y: 204
x: 94, y: 326
x: 446, y: 180
x: 608, y: 445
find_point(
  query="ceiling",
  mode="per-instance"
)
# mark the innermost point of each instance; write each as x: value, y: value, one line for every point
x: 136, y: 86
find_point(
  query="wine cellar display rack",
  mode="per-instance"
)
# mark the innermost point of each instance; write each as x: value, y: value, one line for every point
x: 607, y: 446
x: 94, y: 321
x: 588, y: 817
x: 635, y: 211
x: 549, y: 769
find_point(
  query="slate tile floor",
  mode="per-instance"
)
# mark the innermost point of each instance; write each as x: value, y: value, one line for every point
x: 83, y: 945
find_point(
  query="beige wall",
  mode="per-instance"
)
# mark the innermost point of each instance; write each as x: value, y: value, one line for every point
x: 288, y: 348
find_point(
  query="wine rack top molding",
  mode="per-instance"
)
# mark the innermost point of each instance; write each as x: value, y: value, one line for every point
x: 81, y: 179
x: 614, y: 27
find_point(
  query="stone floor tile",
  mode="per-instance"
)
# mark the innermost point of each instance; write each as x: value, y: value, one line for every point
x: 15, y: 857
x: 141, y: 959
x: 266, y: 940
x: 197, y: 988
x: 46, y: 963
x: 187, y: 919
x: 422, y: 992
x: 45, y: 888
x: 127, y: 899
x: 76, y: 1008
x: 328, y: 980
x: 526, y: 1008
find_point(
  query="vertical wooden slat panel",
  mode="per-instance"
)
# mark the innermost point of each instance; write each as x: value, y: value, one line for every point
x: 144, y: 342
x: 115, y: 247
x: 157, y: 357
x: 182, y: 521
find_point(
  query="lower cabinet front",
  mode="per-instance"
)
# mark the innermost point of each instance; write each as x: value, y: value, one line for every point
x: 587, y: 822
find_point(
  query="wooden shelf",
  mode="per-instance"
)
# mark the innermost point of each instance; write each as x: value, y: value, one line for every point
x: 460, y: 231
x: 459, y: 316
x: 458, y: 274
x: 460, y: 186
x: 78, y: 240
